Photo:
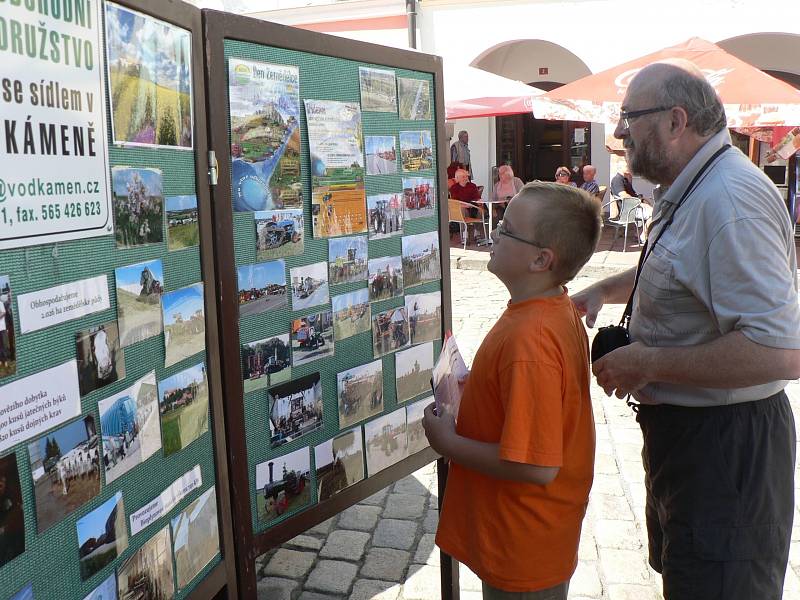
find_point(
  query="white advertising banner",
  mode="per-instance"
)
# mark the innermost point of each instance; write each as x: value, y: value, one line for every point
x: 37, y: 403
x: 61, y: 303
x: 54, y: 175
x: 166, y: 501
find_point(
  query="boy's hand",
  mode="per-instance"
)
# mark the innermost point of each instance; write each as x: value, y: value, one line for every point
x: 439, y: 430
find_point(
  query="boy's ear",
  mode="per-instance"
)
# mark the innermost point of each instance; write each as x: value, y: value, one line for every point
x: 544, y: 261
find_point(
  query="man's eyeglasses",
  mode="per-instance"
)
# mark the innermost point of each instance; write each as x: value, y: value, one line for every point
x: 501, y: 229
x: 626, y: 116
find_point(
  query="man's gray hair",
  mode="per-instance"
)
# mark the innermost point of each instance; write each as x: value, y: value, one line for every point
x: 462, y: 132
x: 693, y: 93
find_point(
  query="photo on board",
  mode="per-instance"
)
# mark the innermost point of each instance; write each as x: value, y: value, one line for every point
x: 262, y: 287
x: 295, y: 408
x: 129, y: 425
x: 413, y: 371
x: 360, y: 393
x: 26, y: 593
x: 65, y: 468
x: 381, y: 151
x: 347, y: 259
x: 139, y: 288
x: 138, y: 201
x: 101, y: 360
x: 415, y: 99
x: 339, y: 463
x: 266, y: 362
x: 389, y: 331
x: 385, y: 278
x: 195, y: 537
x: 183, y: 230
x: 416, y: 150
x: 378, y: 90
x: 415, y: 431
x: 386, y: 441
x: 147, y: 574
x: 184, y: 323
x: 421, y: 260
x: 102, y: 536
x: 105, y: 591
x: 183, y: 407
x: 312, y: 338
x: 283, y: 484
x: 424, y: 316
x: 12, y: 517
x: 8, y: 345
x: 419, y: 197
x: 385, y: 214
x: 309, y: 285
x: 351, y: 314
x: 279, y: 233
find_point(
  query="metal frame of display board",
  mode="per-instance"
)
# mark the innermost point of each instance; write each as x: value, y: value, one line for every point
x: 219, y: 27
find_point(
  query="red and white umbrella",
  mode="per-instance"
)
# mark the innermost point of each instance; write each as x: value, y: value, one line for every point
x: 471, y: 92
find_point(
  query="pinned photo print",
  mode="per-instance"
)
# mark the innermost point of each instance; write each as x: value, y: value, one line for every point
x: 195, y: 537
x: 417, y: 440
x: 262, y: 287
x: 381, y: 151
x: 360, y: 393
x: 25, y: 593
x: 424, y: 316
x: 378, y: 90
x: 347, y: 259
x: 416, y: 150
x: 421, y: 261
x: 309, y: 285
x: 339, y: 463
x: 279, y: 233
x: 138, y: 206
x: 183, y: 230
x: 385, y: 214
x: 415, y: 99
x: 295, y: 409
x: 385, y: 278
x: 419, y: 197
x: 183, y: 406
x: 65, y: 467
x: 266, y: 362
x: 100, y: 359
x: 102, y: 536
x: 12, y: 516
x: 147, y: 574
x: 129, y: 426
x: 184, y: 323
x: 413, y: 371
x: 351, y: 314
x: 312, y: 338
x: 386, y: 441
x: 283, y: 484
x: 8, y: 346
x: 389, y: 331
x: 139, y: 289
x: 106, y: 590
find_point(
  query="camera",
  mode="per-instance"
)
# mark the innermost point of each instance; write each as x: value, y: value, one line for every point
x: 608, y: 339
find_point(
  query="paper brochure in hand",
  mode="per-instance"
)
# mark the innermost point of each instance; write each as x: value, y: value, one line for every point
x: 450, y: 369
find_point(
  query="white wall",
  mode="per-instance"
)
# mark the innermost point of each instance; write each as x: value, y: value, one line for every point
x: 481, y: 148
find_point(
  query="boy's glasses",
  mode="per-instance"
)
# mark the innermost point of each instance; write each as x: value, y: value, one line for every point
x: 501, y: 229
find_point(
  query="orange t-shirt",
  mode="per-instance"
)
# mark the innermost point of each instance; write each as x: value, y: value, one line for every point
x: 529, y: 392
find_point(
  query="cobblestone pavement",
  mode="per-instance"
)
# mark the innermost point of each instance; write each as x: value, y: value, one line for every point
x: 383, y: 547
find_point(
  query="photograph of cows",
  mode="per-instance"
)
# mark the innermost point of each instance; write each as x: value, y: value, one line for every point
x: 386, y: 441
x: 295, y: 408
x: 339, y: 463
x: 147, y: 575
x: 266, y: 362
x: 309, y: 285
x: 138, y: 202
x: 347, y: 259
x: 183, y: 405
x: 424, y: 316
x: 421, y: 258
x: 262, y: 287
x: 312, y: 338
x: 279, y: 233
x: 139, y: 290
x: 389, y: 331
x: 414, y: 430
x: 413, y: 371
x: 100, y: 359
x: 351, y: 314
x: 102, y: 536
x: 195, y: 537
x: 182, y: 226
x: 184, y: 323
x: 385, y: 278
x: 283, y: 484
x: 360, y: 393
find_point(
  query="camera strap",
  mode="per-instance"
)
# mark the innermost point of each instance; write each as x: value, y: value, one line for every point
x: 648, y: 248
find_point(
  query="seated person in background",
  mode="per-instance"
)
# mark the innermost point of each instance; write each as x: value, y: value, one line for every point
x: 451, y: 172
x: 622, y: 185
x: 562, y: 177
x: 463, y: 189
x: 589, y: 182
x: 507, y: 185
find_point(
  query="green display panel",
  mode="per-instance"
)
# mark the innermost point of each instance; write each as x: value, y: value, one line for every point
x: 324, y: 78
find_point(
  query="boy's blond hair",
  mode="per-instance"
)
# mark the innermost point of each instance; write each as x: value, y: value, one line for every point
x: 568, y: 222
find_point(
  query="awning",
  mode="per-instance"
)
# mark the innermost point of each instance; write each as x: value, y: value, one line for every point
x: 471, y: 92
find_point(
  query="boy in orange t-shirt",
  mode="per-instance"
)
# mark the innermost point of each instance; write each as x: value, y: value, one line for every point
x: 522, y: 452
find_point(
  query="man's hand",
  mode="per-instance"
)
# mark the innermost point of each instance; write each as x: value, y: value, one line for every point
x: 588, y: 303
x: 624, y: 370
x: 440, y: 430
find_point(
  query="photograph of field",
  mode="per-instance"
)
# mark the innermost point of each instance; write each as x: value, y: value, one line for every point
x: 195, y: 537
x: 386, y: 441
x: 415, y: 99
x: 184, y: 323
x: 262, y: 287
x: 339, y: 463
x: 295, y: 408
x: 147, y: 574
x: 8, y: 346
x: 12, y: 534
x: 381, y: 153
x: 347, y: 259
x: 279, y: 233
x: 139, y: 288
x: 65, y: 467
x: 106, y: 590
x: 100, y: 359
x: 419, y: 197
x: 414, y: 430
x: 266, y: 362
x: 183, y: 407
x: 182, y: 226
x: 283, y: 484
x: 336, y: 143
x: 351, y: 314
x: 309, y: 285
x: 150, y: 77
x: 421, y: 258
x: 413, y: 371
x: 385, y: 278
x: 416, y: 151
x: 385, y: 215
x: 424, y: 316
x: 312, y: 338
x: 265, y: 136
x: 389, y: 331
x: 138, y: 200
x: 360, y: 393
x: 102, y: 536
x: 378, y: 90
